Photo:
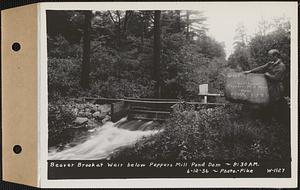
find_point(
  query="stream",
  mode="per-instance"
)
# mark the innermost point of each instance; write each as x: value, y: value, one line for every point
x: 106, y: 140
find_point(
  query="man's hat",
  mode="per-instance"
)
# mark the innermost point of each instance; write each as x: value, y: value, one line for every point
x: 274, y: 52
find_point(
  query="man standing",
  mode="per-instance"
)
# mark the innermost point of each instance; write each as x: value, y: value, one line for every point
x: 274, y: 72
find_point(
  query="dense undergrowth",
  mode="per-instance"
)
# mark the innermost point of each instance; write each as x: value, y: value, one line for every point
x: 59, y: 120
x: 230, y: 132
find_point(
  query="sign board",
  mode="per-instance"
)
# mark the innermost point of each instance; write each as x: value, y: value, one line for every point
x: 252, y: 88
x: 203, y: 89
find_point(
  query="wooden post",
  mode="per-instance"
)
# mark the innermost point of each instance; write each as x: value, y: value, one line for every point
x: 205, y: 100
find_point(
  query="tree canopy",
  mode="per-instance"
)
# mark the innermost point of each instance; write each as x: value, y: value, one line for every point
x: 131, y: 53
x: 253, y: 52
x: 138, y: 53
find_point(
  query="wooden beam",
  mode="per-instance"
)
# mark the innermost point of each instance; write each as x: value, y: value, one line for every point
x: 200, y: 103
x: 152, y: 99
x: 136, y: 107
x: 98, y: 98
x: 151, y: 102
x: 150, y: 111
x: 211, y: 95
x: 148, y: 118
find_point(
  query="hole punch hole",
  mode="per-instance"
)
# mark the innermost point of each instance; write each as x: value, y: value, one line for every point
x: 17, y: 149
x: 16, y: 46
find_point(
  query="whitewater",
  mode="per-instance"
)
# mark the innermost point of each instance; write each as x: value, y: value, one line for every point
x: 106, y: 140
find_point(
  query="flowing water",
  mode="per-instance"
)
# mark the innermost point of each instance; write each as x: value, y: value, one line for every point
x: 105, y: 140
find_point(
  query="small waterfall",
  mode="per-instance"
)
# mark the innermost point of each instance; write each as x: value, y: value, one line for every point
x: 105, y: 140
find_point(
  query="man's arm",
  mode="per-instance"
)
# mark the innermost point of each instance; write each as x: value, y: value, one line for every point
x: 259, y: 69
x: 278, y: 73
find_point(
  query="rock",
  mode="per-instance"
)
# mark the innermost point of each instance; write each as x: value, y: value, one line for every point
x: 81, y: 120
x: 89, y: 115
x: 75, y: 111
x: 81, y: 113
x: 94, y: 108
x: 106, y: 119
x: 105, y: 108
x: 93, y: 124
x: 97, y: 114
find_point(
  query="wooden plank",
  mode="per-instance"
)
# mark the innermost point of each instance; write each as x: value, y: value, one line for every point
x: 211, y: 95
x: 138, y: 104
x: 104, y: 99
x: 152, y: 99
x: 150, y: 111
x: 199, y: 103
x: 155, y: 107
x: 151, y: 102
x: 148, y: 118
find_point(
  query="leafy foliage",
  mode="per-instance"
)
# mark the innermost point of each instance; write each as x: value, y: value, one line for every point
x: 59, y: 119
x: 63, y: 78
x: 252, y: 53
x: 121, y: 61
x: 214, y: 133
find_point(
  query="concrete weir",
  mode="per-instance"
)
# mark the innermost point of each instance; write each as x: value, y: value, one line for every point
x: 142, y: 109
x: 146, y: 109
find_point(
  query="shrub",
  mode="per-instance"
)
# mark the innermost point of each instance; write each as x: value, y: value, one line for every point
x: 118, y: 88
x: 60, y: 118
x: 229, y: 132
x: 63, y: 77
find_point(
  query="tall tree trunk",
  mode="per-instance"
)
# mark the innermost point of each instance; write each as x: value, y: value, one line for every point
x: 125, y: 24
x: 118, y: 30
x: 187, y: 25
x: 157, y: 53
x: 142, y: 33
x: 178, y: 27
x: 85, y: 67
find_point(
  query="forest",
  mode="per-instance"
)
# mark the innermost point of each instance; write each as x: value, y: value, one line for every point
x: 164, y: 54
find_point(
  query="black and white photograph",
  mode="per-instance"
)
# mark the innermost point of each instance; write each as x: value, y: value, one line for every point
x: 194, y: 93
